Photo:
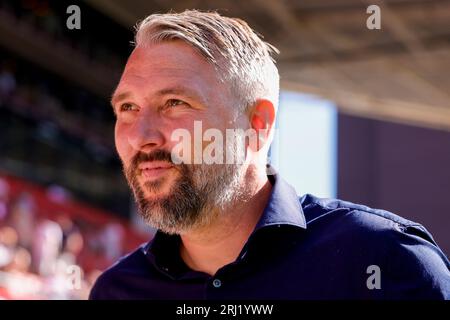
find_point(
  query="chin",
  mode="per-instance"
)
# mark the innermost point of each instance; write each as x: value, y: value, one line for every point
x: 157, y: 188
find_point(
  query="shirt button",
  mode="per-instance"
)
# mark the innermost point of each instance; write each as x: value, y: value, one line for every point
x: 217, y: 283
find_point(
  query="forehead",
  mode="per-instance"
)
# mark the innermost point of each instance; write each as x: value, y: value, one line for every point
x: 168, y: 64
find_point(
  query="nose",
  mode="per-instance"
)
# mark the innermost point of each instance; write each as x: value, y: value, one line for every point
x: 145, y: 135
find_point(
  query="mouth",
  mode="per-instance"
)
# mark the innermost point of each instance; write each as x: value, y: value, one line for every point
x: 155, y: 169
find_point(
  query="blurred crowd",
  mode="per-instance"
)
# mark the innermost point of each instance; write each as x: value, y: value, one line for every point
x: 52, y: 255
x: 57, y: 137
x: 49, y: 17
x: 73, y: 112
x: 58, y: 131
x: 62, y: 131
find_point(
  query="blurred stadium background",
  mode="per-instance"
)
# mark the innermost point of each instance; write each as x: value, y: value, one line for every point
x: 370, y: 107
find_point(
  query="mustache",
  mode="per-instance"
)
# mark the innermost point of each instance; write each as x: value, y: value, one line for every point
x: 156, y: 155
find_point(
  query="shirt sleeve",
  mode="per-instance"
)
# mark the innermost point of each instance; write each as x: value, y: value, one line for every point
x: 416, y: 268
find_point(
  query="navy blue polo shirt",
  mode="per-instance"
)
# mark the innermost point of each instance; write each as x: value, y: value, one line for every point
x: 307, y: 248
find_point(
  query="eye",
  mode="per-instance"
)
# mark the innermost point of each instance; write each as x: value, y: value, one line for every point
x: 127, y: 107
x: 174, y: 102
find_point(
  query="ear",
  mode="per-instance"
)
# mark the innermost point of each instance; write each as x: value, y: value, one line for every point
x: 262, y: 118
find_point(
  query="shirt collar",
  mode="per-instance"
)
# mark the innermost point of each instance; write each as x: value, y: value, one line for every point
x: 283, y: 207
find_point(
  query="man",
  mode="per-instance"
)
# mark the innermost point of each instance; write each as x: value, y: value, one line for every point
x: 235, y: 229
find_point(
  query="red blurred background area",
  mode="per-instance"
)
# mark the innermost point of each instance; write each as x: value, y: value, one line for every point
x: 47, y: 240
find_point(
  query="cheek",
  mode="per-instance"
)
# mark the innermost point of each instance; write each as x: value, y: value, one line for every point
x: 122, y: 146
x: 170, y: 127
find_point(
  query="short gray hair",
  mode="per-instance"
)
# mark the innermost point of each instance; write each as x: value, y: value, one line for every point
x: 238, y: 54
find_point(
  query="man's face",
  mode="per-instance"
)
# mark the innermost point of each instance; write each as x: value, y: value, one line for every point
x: 165, y: 87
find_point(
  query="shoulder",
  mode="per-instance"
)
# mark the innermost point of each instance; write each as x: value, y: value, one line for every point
x: 108, y: 284
x: 362, y: 222
x: 346, y: 216
x: 316, y: 208
x: 406, y: 252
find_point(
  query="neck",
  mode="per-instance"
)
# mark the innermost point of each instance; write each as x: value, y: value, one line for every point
x: 210, y: 248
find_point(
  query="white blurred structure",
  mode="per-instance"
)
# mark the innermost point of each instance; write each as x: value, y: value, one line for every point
x: 305, y: 142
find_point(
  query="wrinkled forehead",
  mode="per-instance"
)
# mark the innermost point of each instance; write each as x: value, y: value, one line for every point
x: 170, y: 63
x: 174, y: 57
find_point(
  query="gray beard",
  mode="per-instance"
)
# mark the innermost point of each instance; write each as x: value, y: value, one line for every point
x: 198, y: 195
